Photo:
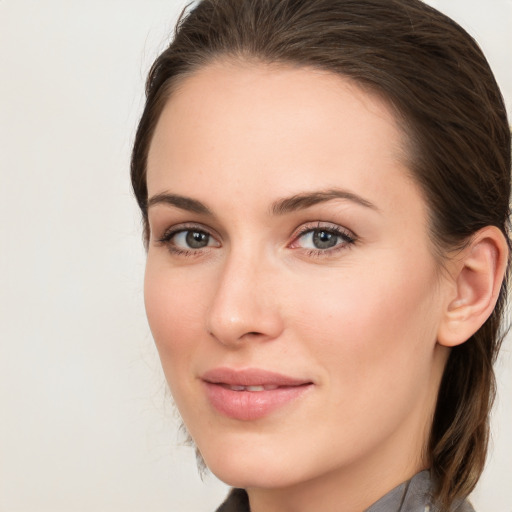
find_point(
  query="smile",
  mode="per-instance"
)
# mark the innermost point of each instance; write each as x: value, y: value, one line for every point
x: 252, y: 394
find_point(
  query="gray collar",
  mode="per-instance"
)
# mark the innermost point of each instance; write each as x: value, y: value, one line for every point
x: 415, y: 495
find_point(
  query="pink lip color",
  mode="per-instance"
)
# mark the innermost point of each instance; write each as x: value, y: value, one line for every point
x: 250, y: 405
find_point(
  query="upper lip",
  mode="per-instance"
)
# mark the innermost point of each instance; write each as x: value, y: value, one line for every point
x: 250, y: 377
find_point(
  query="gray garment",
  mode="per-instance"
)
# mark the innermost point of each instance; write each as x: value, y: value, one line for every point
x: 415, y: 495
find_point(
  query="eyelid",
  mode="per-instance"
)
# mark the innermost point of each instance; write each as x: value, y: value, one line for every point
x: 166, y: 239
x: 348, y: 236
x: 185, y: 226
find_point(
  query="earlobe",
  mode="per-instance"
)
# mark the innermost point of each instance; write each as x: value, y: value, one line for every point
x: 477, y: 274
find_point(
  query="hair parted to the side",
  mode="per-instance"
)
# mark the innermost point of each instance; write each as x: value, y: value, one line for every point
x: 458, y: 140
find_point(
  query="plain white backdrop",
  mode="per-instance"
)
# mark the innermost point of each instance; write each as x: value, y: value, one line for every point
x: 85, y: 422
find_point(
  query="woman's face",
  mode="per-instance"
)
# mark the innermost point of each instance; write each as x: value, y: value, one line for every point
x: 290, y: 285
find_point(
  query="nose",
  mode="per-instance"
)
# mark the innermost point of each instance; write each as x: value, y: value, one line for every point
x: 245, y: 303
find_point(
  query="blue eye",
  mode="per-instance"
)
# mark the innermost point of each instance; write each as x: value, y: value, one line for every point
x: 324, y: 238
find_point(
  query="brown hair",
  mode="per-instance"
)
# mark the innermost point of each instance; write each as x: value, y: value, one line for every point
x: 451, y: 110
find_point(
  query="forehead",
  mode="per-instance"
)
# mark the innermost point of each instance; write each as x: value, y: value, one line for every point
x: 283, y: 128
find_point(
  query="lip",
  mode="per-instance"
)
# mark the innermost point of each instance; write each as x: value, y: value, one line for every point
x: 248, y: 405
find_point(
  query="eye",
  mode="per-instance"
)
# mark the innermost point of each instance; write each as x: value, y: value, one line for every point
x: 183, y: 240
x: 192, y: 239
x: 323, y: 239
x: 319, y: 239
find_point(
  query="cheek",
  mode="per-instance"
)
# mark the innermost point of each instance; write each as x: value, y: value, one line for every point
x: 176, y: 308
x: 370, y: 328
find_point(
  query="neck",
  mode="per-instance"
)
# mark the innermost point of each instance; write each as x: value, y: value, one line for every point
x: 334, y: 494
x: 357, y: 485
x: 338, y: 491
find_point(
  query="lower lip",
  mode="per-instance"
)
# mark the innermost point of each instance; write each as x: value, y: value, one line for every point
x: 251, y: 405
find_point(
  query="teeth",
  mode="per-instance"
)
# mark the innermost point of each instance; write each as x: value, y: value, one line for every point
x: 252, y: 388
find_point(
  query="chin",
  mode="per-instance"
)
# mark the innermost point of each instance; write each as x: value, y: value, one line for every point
x: 245, y: 464
x: 253, y: 474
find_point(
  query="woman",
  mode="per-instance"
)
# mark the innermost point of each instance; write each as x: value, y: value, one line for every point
x: 325, y: 188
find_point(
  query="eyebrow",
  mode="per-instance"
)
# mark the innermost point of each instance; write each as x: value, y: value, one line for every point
x: 181, y: 202
x: 308, y: 199
x: 290, y: 204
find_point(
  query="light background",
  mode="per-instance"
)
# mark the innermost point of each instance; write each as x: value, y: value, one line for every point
x: 85, y: 424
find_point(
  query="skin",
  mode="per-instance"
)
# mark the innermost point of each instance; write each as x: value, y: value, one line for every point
x: 360, y: 320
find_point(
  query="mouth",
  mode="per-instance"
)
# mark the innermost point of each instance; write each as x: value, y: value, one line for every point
x: 251, y: 394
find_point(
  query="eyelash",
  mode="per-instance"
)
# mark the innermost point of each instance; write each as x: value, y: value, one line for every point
x: 167, y: 239
x: 347, y: 239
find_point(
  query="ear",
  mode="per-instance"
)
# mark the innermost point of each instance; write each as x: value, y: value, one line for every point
x: 476, y: 276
